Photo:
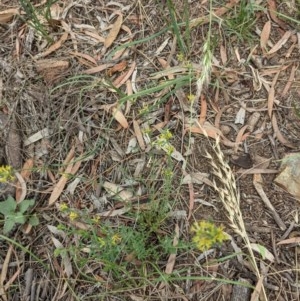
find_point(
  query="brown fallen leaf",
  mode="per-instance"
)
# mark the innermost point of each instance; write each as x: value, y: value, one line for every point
x: 71, y: 169
x: 258, y: 184
x: 53, y: 47
x: 279, y: 135
x: 95, y: 36
x: 51, y: 70
x: 209, y: 130
x: 119, y: 116
x: 118, y: 82
x: 223, y: 55
x: 60, y: 185
x: 85, y: 56
x: 273, y: 14
x: 281, y: 42
x: 172, y: 258
x: 264, y: 36
x: 191, y: 195
x: 203, y: 109
x: 114, y: 31
x: 4, y: 271
x: 25, y: 173
x: 8, y: 14
x: 139, y: 135
x: 293, y: 240
x: 258, y: 289
x: 117, y: 68
x: 290, y: 80
x: 98, y: 68
x: 241, y: 137
x: 271, y: 94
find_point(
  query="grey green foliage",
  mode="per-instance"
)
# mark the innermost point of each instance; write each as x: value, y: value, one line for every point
x: 15, y: 213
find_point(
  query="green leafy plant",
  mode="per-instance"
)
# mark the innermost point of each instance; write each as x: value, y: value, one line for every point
x: 15, y: 213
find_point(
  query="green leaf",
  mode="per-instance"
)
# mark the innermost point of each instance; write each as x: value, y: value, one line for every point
x: 8, y: 206
x: 8, y: 225
x: 33, y: 220
x: 19, y: 218
x: 24, y: 205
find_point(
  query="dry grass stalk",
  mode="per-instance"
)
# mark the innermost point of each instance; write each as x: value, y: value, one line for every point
x: 225, y: 186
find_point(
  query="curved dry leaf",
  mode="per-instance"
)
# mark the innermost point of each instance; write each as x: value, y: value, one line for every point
x: 223, y: 55
x: 240, y: 136
x: 60, y: 185
x: 203, y: 110
x: 95, y: 36
x: 85, y: 56
x: 292, y: 240
x: 172, y: 257
x: 273, y: 14
x: 209, y: 130
x: 139, y: 135
x: 264, y: 37
x: 25, y: 173
x: 98, y: 68
x: 53, y: 47
x: 6, y: 15
x: 290, y: 80
x: 271, y: 98
x: 124, y: 77
x: 114, y: 31
x: 119, y: 116
x: 278, y: 134
x: 281, y: 42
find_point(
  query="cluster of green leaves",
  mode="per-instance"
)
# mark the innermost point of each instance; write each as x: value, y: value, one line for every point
x: 15, y: 213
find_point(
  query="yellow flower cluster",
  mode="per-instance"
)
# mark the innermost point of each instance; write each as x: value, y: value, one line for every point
x: 163, y: 142
x: 207, y: 234
x: 6, y: 174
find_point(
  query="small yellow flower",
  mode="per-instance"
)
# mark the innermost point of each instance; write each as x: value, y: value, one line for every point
x: 6, y: 174
x: 116, y: 238
x: 168, y: 173
x: 96, y: 219
x: 180, y: 57
x: 63, y: 207
x: 207, y: 235
x: 73, y: 215
x: 191, y: 97
x: 167, y: 135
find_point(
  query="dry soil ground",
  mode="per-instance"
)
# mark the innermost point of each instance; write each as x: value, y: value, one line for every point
x: 108, y: 110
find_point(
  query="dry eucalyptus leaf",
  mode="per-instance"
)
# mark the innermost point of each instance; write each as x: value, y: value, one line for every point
x: 117, y: 190
x: 6, y: 15
x: 114, y: 32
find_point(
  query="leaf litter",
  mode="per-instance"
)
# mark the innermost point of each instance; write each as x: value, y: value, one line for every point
x: 90, y: 69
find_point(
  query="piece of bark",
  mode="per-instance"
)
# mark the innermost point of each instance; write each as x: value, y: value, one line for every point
x: 241, y: 293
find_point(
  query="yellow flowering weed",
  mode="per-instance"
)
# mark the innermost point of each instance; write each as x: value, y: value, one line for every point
x: 6, y: 174
x: 207, y: 234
